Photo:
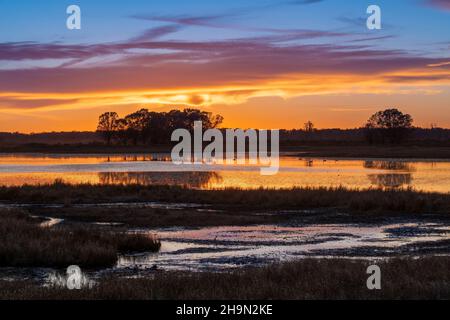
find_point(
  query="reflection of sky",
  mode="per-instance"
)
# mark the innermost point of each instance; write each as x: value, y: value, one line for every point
x: 229, y: 247
x: 427, y: 176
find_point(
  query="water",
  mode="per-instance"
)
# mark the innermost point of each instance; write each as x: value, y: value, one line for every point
x: 221, y: 248
x: 19, y: 169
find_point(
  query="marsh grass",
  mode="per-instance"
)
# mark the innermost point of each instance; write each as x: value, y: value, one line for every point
x: 353, y: 200
x: 144, y: 217
x: 425, y: 278
x: 23, y: 243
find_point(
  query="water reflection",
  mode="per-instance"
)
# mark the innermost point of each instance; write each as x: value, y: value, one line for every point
x: 219, y: 248
x: 309, y: 163
x: 188, y: 179
x: 401, y: 178
x: 391, y: 181
x: 17, y: 170
x: 390, y: 165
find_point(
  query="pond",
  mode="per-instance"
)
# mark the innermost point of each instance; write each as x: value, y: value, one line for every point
x: 151, y: 169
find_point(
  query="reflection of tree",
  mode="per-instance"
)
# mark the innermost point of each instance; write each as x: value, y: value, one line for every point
x: 390, y: 165
x: 188, y: 179
x: 309, y: 163
x: 391, y: 180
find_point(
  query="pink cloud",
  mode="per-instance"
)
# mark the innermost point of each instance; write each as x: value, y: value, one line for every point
x: 442, y: 4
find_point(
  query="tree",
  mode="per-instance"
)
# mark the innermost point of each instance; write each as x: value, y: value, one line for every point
x: 146, y: 127
x: 389, y: 125
x: 122, y: 134
x: 309, y: 127
x: 107, y: 125
x: 137, y: 125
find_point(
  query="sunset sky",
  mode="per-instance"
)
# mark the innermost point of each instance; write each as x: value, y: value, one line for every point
x: 261, y: 63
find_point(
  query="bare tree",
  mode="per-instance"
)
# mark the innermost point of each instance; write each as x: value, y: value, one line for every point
x: 107, y: 125
x: 309, y: 127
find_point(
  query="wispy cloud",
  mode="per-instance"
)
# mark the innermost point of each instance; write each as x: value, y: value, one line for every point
x: 440, y: 4
x: 193, y: 73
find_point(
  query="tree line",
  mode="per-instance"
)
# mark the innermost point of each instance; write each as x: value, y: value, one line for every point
x: 146, y: 127
x: 387, y: 126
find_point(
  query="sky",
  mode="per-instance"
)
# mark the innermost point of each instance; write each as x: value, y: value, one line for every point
x: 259, y: 63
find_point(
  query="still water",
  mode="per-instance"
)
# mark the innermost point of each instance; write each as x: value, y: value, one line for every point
x: 219, y: 248
x: 19, y: 169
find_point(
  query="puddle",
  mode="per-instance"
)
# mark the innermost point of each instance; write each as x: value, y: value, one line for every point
x: 221, y: 248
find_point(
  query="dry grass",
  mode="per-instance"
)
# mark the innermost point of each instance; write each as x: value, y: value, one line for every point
x: 375, y: 200
x: 143, y: 217
x: 23, y: 243
x: 426, y: 278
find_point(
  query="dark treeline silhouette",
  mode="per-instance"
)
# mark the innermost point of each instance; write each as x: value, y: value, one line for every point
x: 389, y: 126
x: 359, y: 136
x: 145, y: 127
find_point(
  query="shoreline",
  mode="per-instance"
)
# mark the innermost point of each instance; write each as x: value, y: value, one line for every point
x: 352, y: 151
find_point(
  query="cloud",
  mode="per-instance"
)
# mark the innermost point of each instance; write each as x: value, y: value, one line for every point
x: 440, y: 4
x: 196, y: 64
x: 205, y: 73
x: 150, y: 69
x: 220, y: 20
x: 156, y: 33
x: 20, y: 103
x: 303, y: 2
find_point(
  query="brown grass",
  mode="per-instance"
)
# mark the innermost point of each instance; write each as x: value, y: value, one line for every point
x: 426, y: 278
x: 142, y: 217
x: 376, y: 200
x: 23, y: 243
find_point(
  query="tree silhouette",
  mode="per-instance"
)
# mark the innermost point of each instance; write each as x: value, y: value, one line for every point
x: 137, y: 124
x: 309, y: 127
x: 389, y: 125
x: 107, y: 125
x: 147, y: 127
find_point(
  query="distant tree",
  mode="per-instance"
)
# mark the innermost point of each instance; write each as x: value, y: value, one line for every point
x: 121, y: 133
x: 389, y: 125
x: 216, y: 120
x: 137, y: 124
x: 309, y: 127
x: 107, y: 125
x: 146, y: 127
x: 159, y: 128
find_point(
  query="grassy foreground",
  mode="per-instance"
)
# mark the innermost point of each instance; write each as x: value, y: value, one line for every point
x: 373, y: 200
x: 426, y: 278
x: 23, y: 243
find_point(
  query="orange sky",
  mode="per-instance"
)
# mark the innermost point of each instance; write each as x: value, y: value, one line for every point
x: 329, y: 100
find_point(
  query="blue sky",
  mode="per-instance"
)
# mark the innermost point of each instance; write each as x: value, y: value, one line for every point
x: 414, y: 23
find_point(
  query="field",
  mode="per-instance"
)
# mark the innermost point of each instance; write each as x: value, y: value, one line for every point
x: 426, y: 278
x: 378, y: 201
x: 24, y: 243
x: 88, y: 239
